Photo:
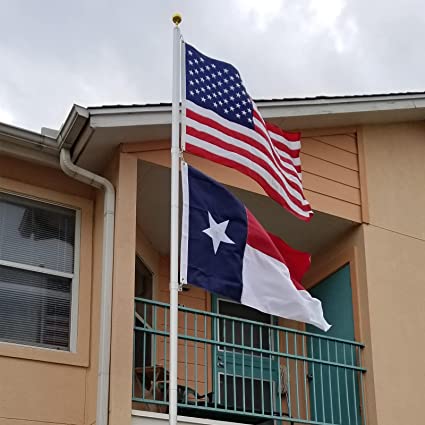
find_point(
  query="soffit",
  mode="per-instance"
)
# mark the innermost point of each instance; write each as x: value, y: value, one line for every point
x: 153, y: 214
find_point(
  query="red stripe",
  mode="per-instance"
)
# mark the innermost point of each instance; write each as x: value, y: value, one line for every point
x: 249, y: 155
x: 262, y: 241
x: 245, y: 170
x: 298, y: 262
x: 291, y: 136
x: 293, y: 153
x: 276, y: 156
x: 288, y: 161
x: 239, y: 136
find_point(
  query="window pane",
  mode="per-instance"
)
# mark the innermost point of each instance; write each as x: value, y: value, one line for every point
x: 34, y: 308
x: 36, y: 234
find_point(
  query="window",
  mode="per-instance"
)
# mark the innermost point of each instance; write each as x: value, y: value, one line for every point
x: 38, y: 273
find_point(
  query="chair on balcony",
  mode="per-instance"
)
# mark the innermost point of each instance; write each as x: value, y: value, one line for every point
x: 149, y: 375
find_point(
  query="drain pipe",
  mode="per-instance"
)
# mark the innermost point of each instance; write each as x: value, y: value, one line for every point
x: 99, y: 182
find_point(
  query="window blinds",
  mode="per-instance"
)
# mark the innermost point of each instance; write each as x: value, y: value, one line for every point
x: 37, y: 243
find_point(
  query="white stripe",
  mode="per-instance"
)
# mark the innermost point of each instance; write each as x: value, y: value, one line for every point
x: 257, y: 153
x: 283, y: 154
x: 250, y: 164
x: 288, y: 166
x: 289, y: 144
x: 267, y: 143
x: 185, y: 224
x: 267, y: 287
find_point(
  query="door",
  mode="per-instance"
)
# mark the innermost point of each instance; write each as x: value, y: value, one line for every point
x: 245, y: 380
x: 334, y: 395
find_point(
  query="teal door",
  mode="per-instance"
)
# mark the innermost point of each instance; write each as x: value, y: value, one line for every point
x: 245, y: 380
x: 334, y: 395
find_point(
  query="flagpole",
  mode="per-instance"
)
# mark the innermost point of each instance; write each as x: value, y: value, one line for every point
x: 174, y: 232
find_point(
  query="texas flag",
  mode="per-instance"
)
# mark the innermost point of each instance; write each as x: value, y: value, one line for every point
x: 225, y: 250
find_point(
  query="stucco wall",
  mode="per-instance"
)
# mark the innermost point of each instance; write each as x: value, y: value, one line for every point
x: 44, y: 386
x: 395, y: 253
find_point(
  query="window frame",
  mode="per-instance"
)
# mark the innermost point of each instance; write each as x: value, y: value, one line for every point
x: 74, y: 276
x: 81, y: 286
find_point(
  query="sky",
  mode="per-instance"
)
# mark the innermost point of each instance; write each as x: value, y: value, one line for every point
x: 54, y: 53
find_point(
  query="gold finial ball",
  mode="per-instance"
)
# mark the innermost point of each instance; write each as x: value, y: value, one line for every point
x: 177, y: 18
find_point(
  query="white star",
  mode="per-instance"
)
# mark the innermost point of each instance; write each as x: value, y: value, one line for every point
x: 217, y: 232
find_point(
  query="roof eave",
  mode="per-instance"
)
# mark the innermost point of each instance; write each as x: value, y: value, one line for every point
x: 160, y: 115
x: 72, y: 127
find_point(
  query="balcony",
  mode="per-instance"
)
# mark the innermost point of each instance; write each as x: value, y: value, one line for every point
x: 238, y: 365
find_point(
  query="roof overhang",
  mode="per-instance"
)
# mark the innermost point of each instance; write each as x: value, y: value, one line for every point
x: 25, y: 144
x: 94, y: 133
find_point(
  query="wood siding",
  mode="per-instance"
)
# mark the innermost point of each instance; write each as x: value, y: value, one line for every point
x: 331, y: 170
x: 330, y: 163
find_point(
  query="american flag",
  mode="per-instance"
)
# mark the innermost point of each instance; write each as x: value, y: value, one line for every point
x: 222, y: 124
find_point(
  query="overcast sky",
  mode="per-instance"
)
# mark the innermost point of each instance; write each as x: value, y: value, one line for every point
x: 54, y: 53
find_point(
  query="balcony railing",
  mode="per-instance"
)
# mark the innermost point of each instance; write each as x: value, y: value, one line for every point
x: 244, y: 371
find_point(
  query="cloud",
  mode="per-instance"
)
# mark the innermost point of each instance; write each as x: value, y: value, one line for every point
x: 108, y: 52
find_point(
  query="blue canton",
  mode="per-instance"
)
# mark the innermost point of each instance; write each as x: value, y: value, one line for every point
x: 217, y: 85
x: 219, y: 272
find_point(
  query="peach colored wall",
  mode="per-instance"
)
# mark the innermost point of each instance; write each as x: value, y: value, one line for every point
x: 331, y: 173
x: 45, y: 386
x: 395, y: 253
x: 91, y: 375
x: 123, y: 174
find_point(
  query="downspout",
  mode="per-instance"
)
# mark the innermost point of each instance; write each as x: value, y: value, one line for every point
x: 99, y: 182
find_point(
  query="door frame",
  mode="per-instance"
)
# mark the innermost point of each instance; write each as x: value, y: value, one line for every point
x: 327, y: 264
x: 330, y: 265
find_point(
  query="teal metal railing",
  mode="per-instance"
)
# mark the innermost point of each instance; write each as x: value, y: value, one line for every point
x: 244, y: 371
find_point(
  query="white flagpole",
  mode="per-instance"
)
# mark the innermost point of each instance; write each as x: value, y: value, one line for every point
x: 174, y: 244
